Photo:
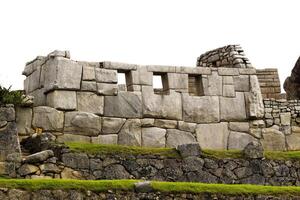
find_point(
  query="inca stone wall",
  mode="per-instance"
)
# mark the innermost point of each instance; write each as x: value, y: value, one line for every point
x: 291, y: 84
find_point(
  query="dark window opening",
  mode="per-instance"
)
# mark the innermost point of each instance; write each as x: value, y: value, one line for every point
x: 196, y: 85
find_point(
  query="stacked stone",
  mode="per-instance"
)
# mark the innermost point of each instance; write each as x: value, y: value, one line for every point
x: 231, y: 56
x: 269, y: 83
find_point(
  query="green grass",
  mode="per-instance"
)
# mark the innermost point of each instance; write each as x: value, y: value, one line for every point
x: 283, y: 155
x: 128, y: 185
x: 222, y: 153
x: 118, y: 149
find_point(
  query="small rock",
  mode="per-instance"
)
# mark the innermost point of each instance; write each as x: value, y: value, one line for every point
x: 39, y: 157
x: 192, y: 149
x: 27, y: 169
x: 144, y: 187
x: 254, y: 150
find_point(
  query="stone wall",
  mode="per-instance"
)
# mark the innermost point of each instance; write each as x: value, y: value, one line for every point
x: 82, y: 101
x: 269, y: 83
x: 291, y: 83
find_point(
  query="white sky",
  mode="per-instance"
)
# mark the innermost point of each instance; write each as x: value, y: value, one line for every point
x: 167, y: 32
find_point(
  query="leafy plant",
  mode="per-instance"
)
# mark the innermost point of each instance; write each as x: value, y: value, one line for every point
x: 10, y: 97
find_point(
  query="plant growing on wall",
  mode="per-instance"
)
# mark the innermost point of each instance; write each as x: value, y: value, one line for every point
x: 10, y: 97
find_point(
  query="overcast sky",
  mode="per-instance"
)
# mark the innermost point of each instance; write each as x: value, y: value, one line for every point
x: 167, y: 32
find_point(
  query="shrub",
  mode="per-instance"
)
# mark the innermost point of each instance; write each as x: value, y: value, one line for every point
x: 10, y: 97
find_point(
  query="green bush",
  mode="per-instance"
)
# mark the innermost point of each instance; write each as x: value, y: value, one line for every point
x: 10, y: 97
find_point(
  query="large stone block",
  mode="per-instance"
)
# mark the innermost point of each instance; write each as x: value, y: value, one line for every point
x: 32, y: 82
x: 125, y: 104
x: 214, y: 85
x: 185, y: 126
x: 203, y: 109
x: 109, y: 89
x: 176, y: 137
x: 158, y: 106
x: 88, y: 73
x: 153, y: 137
x: 49, y: 119
x: 285, y: 119
x: 141, y: 76
x: 239, y: 140
x: 62, y: 100
x: 112, y: 125
x: 105, y: 139
x: 82, y: 123
x: 177, y: 81
x: 39, y: 98
x: 7, y: 113
x: 90, y: 102
x: 165, y: 123
x: 242, y: 83
x: 228, y: 91
x: 254, y: 99
x: 24, y: 120
x: 90, y: 86
x: 273, y: 139
x: 239, y: 126
x: 232, y: 109
x: 9, y: 142
x: 293, y: 141
x: 106, y: 75
x: 212, y: 136
x: 62, y: 73
x: 131, y: 133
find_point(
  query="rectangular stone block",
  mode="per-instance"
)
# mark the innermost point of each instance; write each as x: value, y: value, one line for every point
x: 39, y: 97
x: 228, y: 71
x: 204, y: 109
x: 161, y: 68
x: 62, y: 100
x: 62, y: 73
x: 177, y: 81
x: 105, y: 139
x: 112, y: 125
x: 242, y: 83
x: 233, y: 109
x: 141, y: 76
x: 153, y: 137
x: 239, y: 140
x: 47, y: 118
x: 90, y: 86
x: 194, y: 70
x: 24, y: 120
x: 228, y: 80
x: 109, y: 89
x: 165, y: 123
x: 32, y: 82
x: 90, y: 102
x: 212, y: 136
x: 131, y: 133
x: 118, y: 66
x: 88, y: 73
x: 134, y: 88
x: 106, y: 75
x: 228, y: 91
x: 185, y: 126
x: 125, y: 104
x: 214, y: 85
x: 73, y: 138
x: 158, y: 106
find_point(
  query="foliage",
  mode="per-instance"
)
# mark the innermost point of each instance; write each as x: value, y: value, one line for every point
x: 10, y: 97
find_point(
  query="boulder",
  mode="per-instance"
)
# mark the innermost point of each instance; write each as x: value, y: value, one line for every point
x: 212, y: 136
x: 253, y: 150
x: 153, y: 137
x: 82, y: 123
x: 68, y: 173
x: 131, y: 133
x: 62, y: 100
x: 191, y: 149
x: 233, y: 109
x: 39, y: 157
x: 112, y: 125
x: 90, y: 102
x: 90, y: 86
x: 176, y: 137
x: 238, y: 140
x: 49, y: 119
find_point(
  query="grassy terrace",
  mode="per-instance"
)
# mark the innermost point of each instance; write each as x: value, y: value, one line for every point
x: 171, y: 152
x: 128, y: 185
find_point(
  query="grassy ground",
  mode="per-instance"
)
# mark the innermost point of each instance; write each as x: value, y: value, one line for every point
x: 128, y: 185
x: 172, y: 153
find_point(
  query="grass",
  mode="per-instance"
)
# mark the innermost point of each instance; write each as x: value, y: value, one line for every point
x: 128, y: 185
x: 118, y: 149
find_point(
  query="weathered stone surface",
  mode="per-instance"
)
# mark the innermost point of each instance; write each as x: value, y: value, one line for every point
x: 90, y: 102
x: 191, y: 149
x: 254, y: 100
x: 125, y: 104
x: 27, y: 169
x: 82, y: 123
x: 253, y: 150
x: 228, y: 91
x: 112, y: 125
x: 153, y: 137
x: 24, y: 120
x: 291, y: 83
x: 49, y: 119
x: 115, y: 171
x: 140, y: 77
x: 285, y: 119
x: 176, y: 137
x: 62, y: 73
x: 273, y: 140
x: 39, y: 98
x: 223, y: 71
x: 106, y: 75
x: 131, y: 133
x: 147, y: 122
x: 62, y: 100
x: 9, y: 142
x: 200, y: 109
x: 88, y: 73
x: 293, y: 141
x: 118, y: 65
x: 214, y: 86
x: 39, y: 157
x: 69, y: 173
x: 49, y: 168
x: 32, y: 66
x: 238, y: 140
x: 76, y: 160
x: 185, y: 126
x: 164, y: 123
x: 105, y: 139
x: 232, y: 109
x: 7, y: 113
x: 108, y: 89
x: 158, y: 106
x: 32, y: 82
x: 239, y: 126
x: 242, y: 83
x: 89, y: 86
x: 177, y: 81
x: 212, y: 136
x: 73, y: 138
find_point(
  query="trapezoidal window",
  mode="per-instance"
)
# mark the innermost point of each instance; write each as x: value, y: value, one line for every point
x: 122, y: 81
x: 195, y: 85
x: 160, y: 83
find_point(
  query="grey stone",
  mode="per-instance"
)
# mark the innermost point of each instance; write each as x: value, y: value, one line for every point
x: 9, y: 140
x: 3, y: 124
x: 24, y: 120
x: 185, y: 126
x: 200, y: 109
x: 285, y: 119
x: 191, y: 149
x: 39, y: 157
x: 177, y: 81
x: 227, y: 80
x: 238, y: 140
x: 108, y: 89
x: 39, y: 98
x: 90, y: 86
x: 194, y: 70
x: 212, y: 136
x: 7, y: 114
x: 112, y: 125
x: 228, y: 91
x: 158, y: 106
x: 62, y: 73
x: 232, y: 109
x: 144, y: 187
x: 125, y: 104
x: 214, y: 86
x: 76, y: 160
x: 153, y: 137
x: 82, y: 123
x: 118, y: 66
x: 131, y: 133
x: 106, y: 75
x: 49, y: 168
x: 27, y: 169
x: 242, y: 83
x: 32, y: 82
x: 105, y: 139
x: 68, y: 173
x: 176, y: 137
x: 293, y: 141
x: 49, y: 119
x: 62, y: 100
x: 147, y: 122
x: 239, y: 126
x: 253, y: 150
x: 115, y: 172
x: 161, y: 68
x: 224, y: 71
x: 249, y: 71
x: 90, y: 102
x: 73, y: 138
x: 140, y: 77
x: 88, y: 73
x: 164, y: 123
x: 273, y: 140
x: 17, y: 194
